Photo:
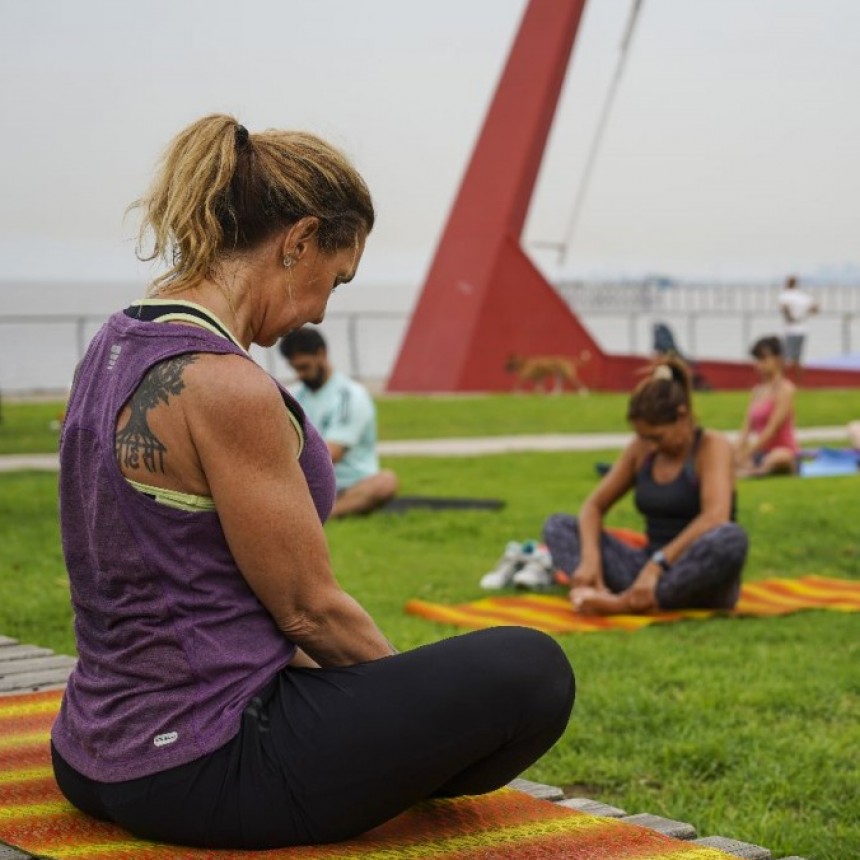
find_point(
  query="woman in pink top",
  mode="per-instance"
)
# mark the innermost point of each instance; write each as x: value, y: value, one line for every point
x: 767, y: 445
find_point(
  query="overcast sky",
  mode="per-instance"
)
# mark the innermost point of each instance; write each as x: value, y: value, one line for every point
x: 732, y: 148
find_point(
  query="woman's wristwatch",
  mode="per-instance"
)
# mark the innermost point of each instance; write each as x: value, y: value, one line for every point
x: 660, y: 559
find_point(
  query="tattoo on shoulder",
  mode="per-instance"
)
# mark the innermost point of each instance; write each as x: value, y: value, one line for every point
x: 135, y: 443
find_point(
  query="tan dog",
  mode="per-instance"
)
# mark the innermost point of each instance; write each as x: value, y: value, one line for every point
x: 558, y: 368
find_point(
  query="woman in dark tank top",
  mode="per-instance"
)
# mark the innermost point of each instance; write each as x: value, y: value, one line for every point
x: 683, y: 484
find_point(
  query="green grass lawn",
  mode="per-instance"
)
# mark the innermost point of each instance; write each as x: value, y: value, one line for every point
x: 746, y: 728
x: 502, y: 414
x: 30, y: 427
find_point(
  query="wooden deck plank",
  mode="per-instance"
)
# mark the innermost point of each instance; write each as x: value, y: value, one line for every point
x: 746, y: 850
x: 537, y: 789
x: 33, y: 681
x: 34, y: 664
x: 9, y: 853
x: 666, y: 826
x: 17, y: 652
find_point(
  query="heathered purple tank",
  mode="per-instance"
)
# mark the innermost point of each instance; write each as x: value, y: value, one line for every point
x: 172, y: 642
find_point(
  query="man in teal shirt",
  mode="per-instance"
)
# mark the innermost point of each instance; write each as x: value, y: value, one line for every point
x: 344, y: 413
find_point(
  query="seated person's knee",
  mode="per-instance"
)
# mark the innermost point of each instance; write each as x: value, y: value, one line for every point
x: 388, y: 484
x: 556, y: 522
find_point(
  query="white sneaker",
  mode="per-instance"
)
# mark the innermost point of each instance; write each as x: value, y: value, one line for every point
x: 537, y: 572
x: 503, y: 574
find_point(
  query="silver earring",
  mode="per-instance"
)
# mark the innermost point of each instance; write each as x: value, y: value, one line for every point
x: 288, y: 261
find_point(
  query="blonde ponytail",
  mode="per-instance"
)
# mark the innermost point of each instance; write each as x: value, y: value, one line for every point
x: 178, y: 209
x: 219, y: 190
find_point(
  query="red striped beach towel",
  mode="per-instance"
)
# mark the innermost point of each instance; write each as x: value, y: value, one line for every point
x: 553, y: 613
x: 505, y: 824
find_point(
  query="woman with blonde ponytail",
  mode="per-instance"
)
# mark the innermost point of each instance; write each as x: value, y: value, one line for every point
x: 228, y: 693
x: 683, y: 483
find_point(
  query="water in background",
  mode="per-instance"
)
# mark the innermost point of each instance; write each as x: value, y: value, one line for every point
x: 44, y: 327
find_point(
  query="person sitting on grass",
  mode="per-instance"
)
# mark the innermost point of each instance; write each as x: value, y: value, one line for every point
x: 683, y: 484
x: 767, y: 444
x: 343, y: 411
x: 228, y: 692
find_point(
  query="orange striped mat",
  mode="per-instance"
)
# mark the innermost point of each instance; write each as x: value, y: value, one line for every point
x: 553, y: 613
x: 35, y: 818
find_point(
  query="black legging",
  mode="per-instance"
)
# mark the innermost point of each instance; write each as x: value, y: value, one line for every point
x: 326, y: 754
x: 706, y: 576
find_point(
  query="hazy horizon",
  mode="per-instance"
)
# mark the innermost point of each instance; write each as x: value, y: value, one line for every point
x: 730, y: 152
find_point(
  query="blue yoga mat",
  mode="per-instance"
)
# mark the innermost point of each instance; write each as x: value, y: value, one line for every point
x: 830, y: 461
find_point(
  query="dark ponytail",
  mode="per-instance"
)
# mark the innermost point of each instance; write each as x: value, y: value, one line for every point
x: 658, y: 398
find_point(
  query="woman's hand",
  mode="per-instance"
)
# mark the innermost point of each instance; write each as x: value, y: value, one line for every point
x: 588, y: 575
x: 744, y: 451
x: 642, y: 595
x: 302, y: 661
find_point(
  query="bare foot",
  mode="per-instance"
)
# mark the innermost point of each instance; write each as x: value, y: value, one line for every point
x: 580, y: 594
x: 590, y: 601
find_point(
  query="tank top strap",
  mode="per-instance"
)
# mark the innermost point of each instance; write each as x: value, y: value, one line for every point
x: 163, y: 310
x: 647, y: 464
x: 690, y: 462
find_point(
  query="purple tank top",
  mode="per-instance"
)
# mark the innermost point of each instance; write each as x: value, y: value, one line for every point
x: 172, y: 643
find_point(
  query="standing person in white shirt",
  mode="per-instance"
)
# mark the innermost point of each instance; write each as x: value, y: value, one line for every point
x: 344, y: 413
x: 796, y: 306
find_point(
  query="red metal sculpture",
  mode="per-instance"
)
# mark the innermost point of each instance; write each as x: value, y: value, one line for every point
x: 484, y: 301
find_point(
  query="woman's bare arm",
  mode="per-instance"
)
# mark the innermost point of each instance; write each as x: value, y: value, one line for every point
x: 247, y: 451
x: 615, y: 483
x: 744, y: 435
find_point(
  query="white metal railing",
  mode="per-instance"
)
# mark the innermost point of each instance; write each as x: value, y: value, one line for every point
x: 40, y: 351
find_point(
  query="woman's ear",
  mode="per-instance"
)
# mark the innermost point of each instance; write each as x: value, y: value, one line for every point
x: 299, y: 236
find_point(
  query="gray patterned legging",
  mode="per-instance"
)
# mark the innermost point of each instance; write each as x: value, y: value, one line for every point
x: 706, y: 576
